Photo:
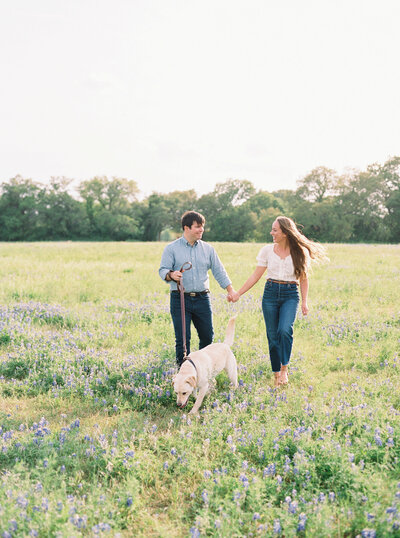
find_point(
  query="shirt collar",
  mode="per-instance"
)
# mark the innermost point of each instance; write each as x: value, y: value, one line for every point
x: 187, y: 242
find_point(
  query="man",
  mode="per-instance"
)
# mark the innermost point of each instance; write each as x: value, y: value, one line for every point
x: 202, y: 256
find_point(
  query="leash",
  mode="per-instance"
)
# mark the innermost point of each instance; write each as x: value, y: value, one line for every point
x: 181, y: 290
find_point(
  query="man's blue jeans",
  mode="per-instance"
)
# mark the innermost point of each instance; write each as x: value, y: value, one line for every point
x: 198, y: 311
x: 279, y: 305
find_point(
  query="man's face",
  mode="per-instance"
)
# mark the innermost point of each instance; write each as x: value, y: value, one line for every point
x: 195, y: 232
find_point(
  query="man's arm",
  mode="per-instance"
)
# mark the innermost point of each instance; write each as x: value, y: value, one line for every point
x: 167, y: 264
x: 219, y: 272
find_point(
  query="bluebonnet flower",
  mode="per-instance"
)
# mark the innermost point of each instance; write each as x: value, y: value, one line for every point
x: 244, y: 480
x: 302, y: 522
x: 277, y: 527
x: 368, y: 533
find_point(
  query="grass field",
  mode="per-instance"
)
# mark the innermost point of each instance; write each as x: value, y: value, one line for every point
x: 91, y: 441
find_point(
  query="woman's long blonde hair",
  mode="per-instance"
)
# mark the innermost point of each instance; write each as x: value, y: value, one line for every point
x: 298, y: 245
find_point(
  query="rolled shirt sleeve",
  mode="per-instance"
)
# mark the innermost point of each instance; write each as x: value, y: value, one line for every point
x: 218, y: 270
x: 167, y: 262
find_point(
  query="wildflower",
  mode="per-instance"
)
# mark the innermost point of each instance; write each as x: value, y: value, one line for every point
x: 368, y: 533
x: 204, y: 496
x: 165, y: 466
x: 277, y: 526
x: 256, y: 516
x: 13, y: 525
x: 302, y: 522
x: 331, y: 496
x: 270, y: 470
x: 244, y: 480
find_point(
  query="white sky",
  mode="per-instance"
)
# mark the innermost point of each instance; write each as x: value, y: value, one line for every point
x: 180, y: 94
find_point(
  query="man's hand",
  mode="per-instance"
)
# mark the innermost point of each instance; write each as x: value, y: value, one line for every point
x: 174, y: 275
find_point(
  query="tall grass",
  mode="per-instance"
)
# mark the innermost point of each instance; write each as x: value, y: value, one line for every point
x: 92, y: 443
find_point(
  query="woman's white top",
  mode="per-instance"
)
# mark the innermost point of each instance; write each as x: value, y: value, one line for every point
x: 278, y: 268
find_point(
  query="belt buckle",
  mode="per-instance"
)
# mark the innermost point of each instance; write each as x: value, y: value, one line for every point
x: 192, y: 294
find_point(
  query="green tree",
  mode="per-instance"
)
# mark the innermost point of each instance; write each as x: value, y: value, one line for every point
x: 60, y: 215
x: 318, y: 184
x: 177, y: 203
x: 19, y: 210
x: 220, y: 209
x: 155, y: 217
x: 108, y: 205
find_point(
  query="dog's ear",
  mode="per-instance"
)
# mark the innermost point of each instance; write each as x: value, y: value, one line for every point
x: 192, y: 381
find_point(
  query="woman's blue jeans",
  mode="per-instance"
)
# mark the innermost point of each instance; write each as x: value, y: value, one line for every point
x: 279, y: 305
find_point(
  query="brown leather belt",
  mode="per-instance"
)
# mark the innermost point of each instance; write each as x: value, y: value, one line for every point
x: 193, y: 293
x: 282, y: 281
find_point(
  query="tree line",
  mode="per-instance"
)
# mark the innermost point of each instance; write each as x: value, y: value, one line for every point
x: 357, y: 206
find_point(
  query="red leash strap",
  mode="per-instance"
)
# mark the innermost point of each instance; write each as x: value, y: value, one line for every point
x: 181, y: 290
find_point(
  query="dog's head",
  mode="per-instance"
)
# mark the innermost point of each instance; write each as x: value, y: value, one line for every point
x: 184, y: 385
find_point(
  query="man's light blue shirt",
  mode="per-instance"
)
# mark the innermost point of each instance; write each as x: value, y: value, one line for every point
x: 202, y: 256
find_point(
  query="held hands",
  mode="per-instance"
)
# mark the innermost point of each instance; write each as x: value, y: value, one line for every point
x: 233, y: 297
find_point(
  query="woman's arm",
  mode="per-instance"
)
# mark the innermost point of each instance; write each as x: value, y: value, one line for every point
x: 304, y: 293
x: 253, y: 279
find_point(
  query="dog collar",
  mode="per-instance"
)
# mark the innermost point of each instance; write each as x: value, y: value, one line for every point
x: 190, y: 360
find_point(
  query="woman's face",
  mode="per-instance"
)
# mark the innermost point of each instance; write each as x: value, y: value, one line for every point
x: 276, y: 232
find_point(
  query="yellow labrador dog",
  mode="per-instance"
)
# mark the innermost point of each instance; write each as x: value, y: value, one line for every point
x: 203, y: 365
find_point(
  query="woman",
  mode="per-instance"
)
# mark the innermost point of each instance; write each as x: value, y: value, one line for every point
x: 287, y: 262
